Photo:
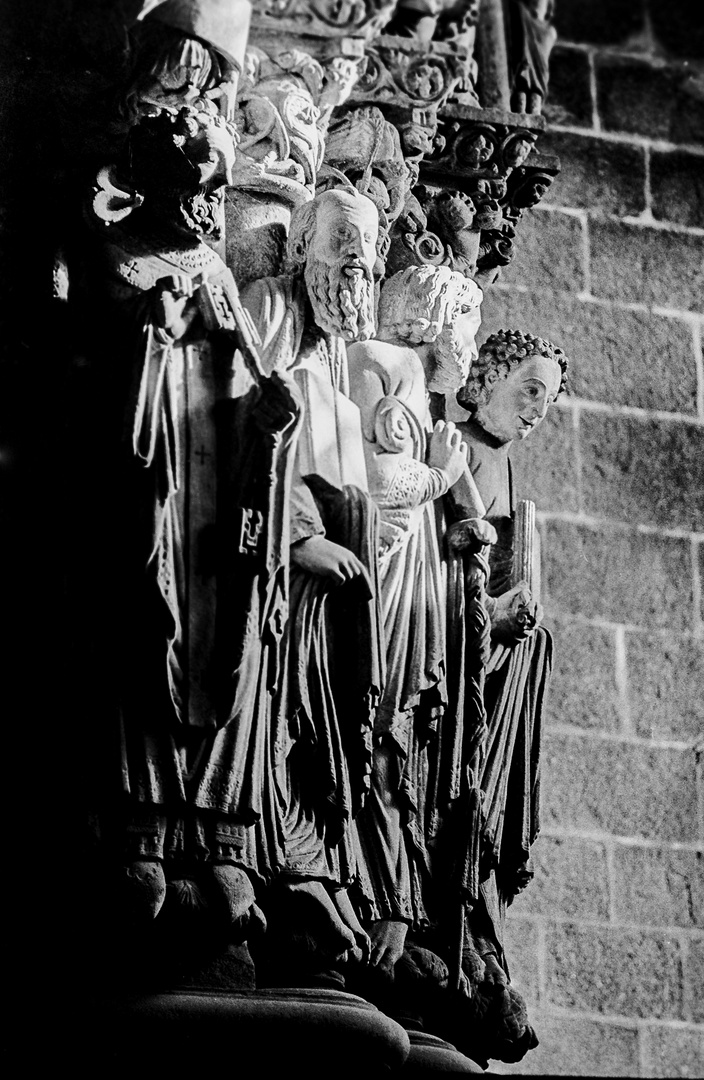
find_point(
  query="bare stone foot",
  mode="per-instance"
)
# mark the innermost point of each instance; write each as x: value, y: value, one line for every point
x: 342, y: 902
x: 146, y: 887
x: 388, y: 938
x: 235, y: 888
x: 329, y: 929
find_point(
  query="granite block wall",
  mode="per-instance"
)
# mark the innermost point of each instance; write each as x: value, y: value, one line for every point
x: 608, y: 941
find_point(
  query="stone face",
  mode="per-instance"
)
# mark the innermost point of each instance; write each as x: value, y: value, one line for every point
x: 605, y: 178
x: 571, y: 879
x: 604, y: 572
x: 569, y: 99
x: 647, y: 471
x: 606, y: 786
x: 621, y: 972
x: 695, y: 979
x: 544, y: 464
x: 645, y: 265
x: 521, y: 944
x: 549, y: 252
x: 674, y: 1051
x: 658, y: 887
x: 583, y: 690
x: 665, y: 680
x: 616, y: 356
x: 677, y: 186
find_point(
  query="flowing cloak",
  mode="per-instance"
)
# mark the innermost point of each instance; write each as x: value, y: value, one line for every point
x: 202, y: 547
x: 516, y: 680
x: 388, y: 384
x: 322, y: 737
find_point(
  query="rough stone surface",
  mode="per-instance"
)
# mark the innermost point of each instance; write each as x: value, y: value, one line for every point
x: 583, y: 690
x: 646, y: 471
x: 620, y: 788
x: 678, y: 27
x: 549, y: 252
x: 598, y: 22
x: 544, y: 465
x: 644, y: 265
x: 695, y: 979
x: 521, y: 944
x: 674, y: 1051
x: 666, y: 681
x: 677, y: 186
x: 649, y: 98
x: 571, y: 879
x: 572, y: 1046
x: 619, y: 575
x: 602, y: 177
x: 658, y: 887
x: 569, y: 99
x: 616, y: 356
x: 621, y: 972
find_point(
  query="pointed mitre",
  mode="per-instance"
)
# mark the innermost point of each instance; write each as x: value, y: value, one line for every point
x: 222, y: 23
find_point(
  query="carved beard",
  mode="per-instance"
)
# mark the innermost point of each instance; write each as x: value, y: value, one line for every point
x: 452, y: 362
x: 342, y: 298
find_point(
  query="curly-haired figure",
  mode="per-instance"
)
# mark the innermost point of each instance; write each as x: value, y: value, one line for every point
x: 510, y: 388
x: 428, y: 317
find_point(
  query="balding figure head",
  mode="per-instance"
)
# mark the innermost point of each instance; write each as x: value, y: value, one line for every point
x: 333, y: 242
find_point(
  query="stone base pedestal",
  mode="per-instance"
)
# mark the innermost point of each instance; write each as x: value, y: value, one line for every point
x: 263, y: 1033
x: 431, y: 1057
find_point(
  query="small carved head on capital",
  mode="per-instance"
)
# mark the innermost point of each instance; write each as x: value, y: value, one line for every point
x: 438, y: 307
x: 332, y: 242
x: 512, y: 383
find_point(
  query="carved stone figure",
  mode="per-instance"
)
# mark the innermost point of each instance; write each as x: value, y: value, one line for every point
x: 322, y: 741
x: 533, y: 37
x: 195, y: 549
x: 509, y: 390
x: 428, y: 317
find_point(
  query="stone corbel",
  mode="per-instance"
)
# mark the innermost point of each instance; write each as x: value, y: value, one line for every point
x: 489, y: 155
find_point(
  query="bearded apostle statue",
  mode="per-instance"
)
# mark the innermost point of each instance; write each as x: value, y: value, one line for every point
x: 334, y: 658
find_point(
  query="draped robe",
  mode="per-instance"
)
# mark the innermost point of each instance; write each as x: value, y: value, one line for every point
x: 388, y: 383
x: 334, y: 658
x: 200, y: 561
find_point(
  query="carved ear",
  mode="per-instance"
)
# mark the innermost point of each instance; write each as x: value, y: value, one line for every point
x: 112, y: 202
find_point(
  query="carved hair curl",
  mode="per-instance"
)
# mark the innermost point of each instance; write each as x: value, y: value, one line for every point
x: 418, y: 302
x: 498, y: 356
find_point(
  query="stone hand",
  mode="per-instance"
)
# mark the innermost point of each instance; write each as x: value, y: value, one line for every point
x: 447, y: 451
x: 388, y: 938
x: 277, y: 406
x: 516, y: 614
x: 174, y: 308
x: 471, y: 533
x: 338, y: 564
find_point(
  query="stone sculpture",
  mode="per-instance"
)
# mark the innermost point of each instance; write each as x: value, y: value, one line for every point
x: 195, y: 561
x: 323, y: 734
x: 510, y: 387
x: 319, y: 680
x: 428, y: 317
